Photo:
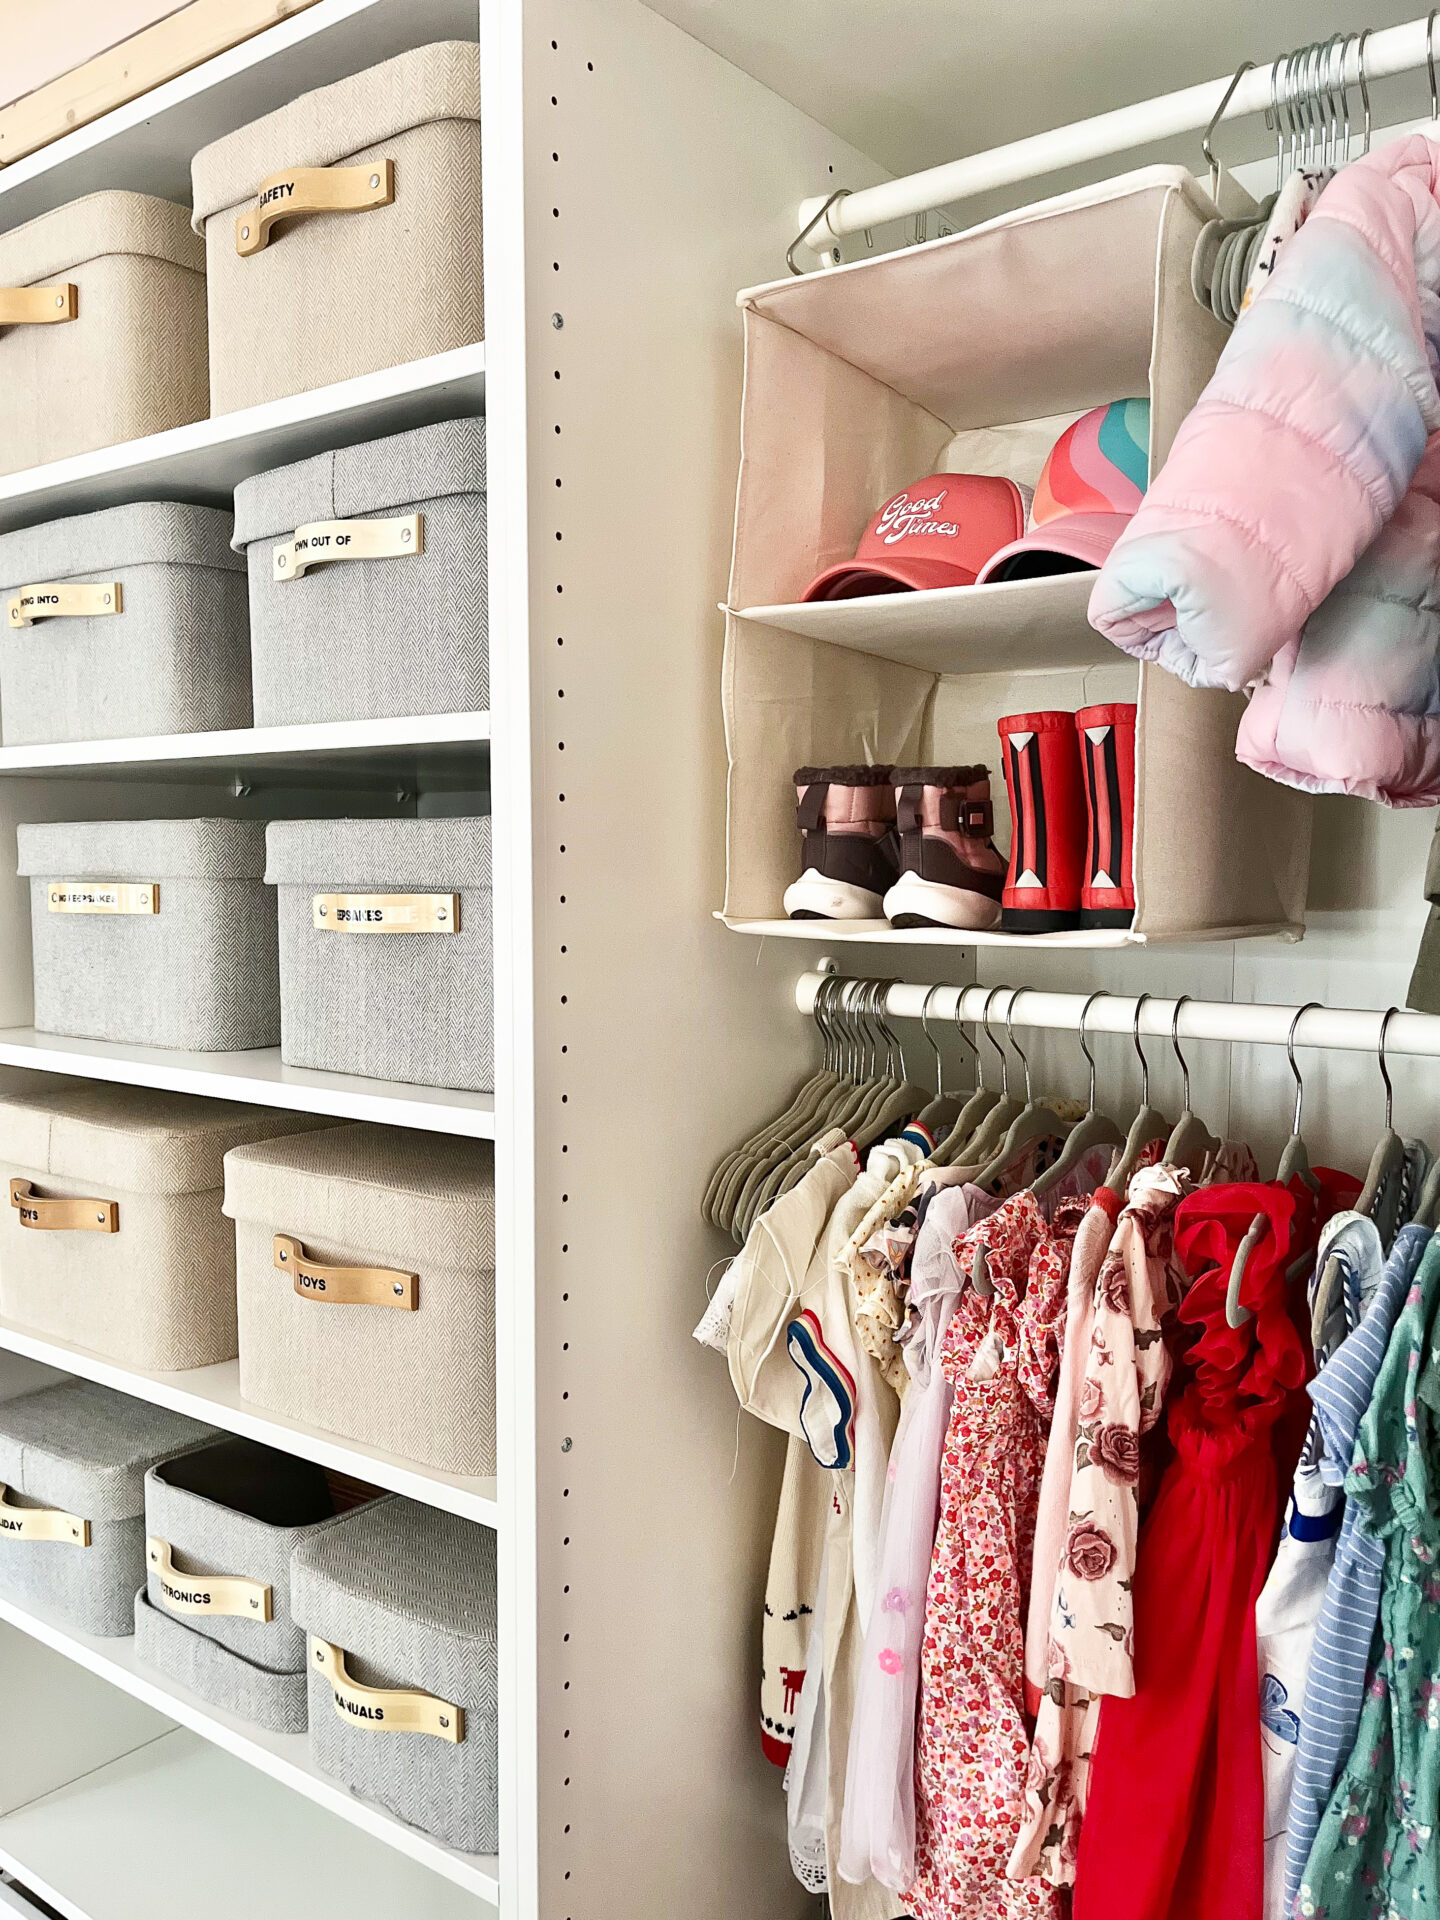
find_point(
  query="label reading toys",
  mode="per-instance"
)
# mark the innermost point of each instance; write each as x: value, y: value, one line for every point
x: 103, y: 896
x: 386, y: 912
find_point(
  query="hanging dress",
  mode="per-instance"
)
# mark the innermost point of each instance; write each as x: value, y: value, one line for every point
x: 1174, y: 1826
x: 1377, y: 1852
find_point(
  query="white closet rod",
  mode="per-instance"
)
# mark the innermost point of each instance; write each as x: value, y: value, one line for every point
x: 1390, y: 50
x: 1350, y: 1029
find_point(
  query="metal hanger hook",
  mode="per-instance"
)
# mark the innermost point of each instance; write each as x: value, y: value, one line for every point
x: 1015, y: 993
x: 1140, y: 1051
x: 1430, y: 62
x: 1300, y: 1013
x: 1360, y: 40
x: 989, y: 1035
x: 959, y: 1023
x: 1100, y: 993
x: 1219, y: 114
x: 1184, y: 999
x: 934, y: 1048
x: 1385, y: 1019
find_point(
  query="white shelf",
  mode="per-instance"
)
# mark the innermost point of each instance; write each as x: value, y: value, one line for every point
x: 259, y: 1077
x: 204, y: 461
x: 266, y: 1822
x: 880, y: 933
x: 1014, y: 626
x: 212, y: 1394
x: 368, y: 751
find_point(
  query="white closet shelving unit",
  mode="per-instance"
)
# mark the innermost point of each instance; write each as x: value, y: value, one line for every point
x: 633, y: 180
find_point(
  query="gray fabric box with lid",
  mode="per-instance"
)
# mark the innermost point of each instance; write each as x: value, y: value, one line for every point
x: 200, y: 973
x: 222, y: 1524
x: 325, y: 295
x: 74, y: 1458
x: 357, y: 997
x: 147, y: 1276
x: 167, y: 652
x: 415, y: 1379
x: 406, y: 1596
x: 131, y: 360
x: 373, y: 636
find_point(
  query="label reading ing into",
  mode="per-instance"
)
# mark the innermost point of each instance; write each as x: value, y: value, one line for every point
x: 103, y: 896
x: 386, y: 912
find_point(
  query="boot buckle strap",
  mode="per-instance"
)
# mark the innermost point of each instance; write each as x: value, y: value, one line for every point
x: 974, y: 818
x: 810, y: 809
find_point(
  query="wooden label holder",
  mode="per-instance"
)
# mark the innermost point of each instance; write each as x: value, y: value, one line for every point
x: 227, y: 1593
x: 64, y: 600
x: 385, y: 1709
x: 385, y: 912
x: 345, y: 1286
x: 41, y: 1523
x: 312, y: 190
x: 319, y: 542
x: 103, y: 896
x: 63, y: 1214
x: 38, y: 306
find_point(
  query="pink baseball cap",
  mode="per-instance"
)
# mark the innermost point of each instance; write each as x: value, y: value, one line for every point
x: 938, y: 533
x: 1093, y: 480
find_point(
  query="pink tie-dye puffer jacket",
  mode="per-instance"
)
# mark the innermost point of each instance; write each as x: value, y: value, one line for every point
x: 1291, y: 542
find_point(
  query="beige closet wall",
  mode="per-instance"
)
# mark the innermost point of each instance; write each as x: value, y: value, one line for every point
x: 45, y: 38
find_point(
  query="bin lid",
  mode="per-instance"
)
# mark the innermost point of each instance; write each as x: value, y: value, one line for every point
x: 436, y: 82
x: 142, y: 849
x: 133, y: 1139
x: 377, y: 476
x: 88, y: 229
x: 86, y: 1450
x: 410, y: 1589
x: 387, y: 856
x: 375, y: 1194
x: 145, y: 533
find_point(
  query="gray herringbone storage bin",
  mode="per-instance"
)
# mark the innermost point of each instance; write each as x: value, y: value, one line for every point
x: 112, y: 1234
x: 102, y: 327
x: 367, y: 579
x: 375, y: 185
x: 129, y: 621
x: 400, y: 1607
x: 221, y: 1525
x: 159, y: 933
x: 365, y: 1273
x: 73, y: 1460
x: 386, y: 949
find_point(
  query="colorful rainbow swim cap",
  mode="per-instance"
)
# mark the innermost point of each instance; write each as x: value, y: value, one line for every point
x: 1091, y: 484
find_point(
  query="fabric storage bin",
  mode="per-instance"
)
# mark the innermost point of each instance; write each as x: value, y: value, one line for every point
x: 221, y: 1526
x: 971, y: 354
x: 365, y: 1275
x: 114, y: 1237
x: 400, y: 1607
x: 376, y: 260
x: 73, y: 1460
x: 159, y: 933
x: 129, y: 621
x: 386, y: 961
x: 367, y: 579
x: 102, y: 327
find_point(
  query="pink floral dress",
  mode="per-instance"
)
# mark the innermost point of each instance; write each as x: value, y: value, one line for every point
x: 1001, y: 1357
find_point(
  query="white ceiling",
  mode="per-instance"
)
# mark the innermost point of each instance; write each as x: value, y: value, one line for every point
x: 916, y: 82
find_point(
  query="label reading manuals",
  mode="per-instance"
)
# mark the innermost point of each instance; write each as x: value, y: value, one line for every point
x: 386, y: 912
x: 103, y: 896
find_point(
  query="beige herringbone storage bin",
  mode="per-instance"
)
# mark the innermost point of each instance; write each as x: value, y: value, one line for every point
x: 342, y: 232
x: 365, y: 1274
x: 112, y: 1234
x: 102, y: 327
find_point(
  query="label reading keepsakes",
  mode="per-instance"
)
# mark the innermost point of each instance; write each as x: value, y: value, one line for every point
x: 103, y: 896
x: 386, y: 912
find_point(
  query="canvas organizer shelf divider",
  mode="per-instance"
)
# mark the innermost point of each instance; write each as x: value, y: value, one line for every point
x: 971, y: 354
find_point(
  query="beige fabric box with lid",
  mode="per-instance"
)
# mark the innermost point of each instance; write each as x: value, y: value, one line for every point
x: 365, y: 1275
x: 342, y: 232
x: 102, y: 327
x: 112, y: 1234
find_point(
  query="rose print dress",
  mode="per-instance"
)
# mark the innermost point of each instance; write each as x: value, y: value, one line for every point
x: 972, y: 1741
x: 1378, y: 1849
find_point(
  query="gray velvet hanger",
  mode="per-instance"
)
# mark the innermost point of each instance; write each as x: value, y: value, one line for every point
x: 1094, y: 1130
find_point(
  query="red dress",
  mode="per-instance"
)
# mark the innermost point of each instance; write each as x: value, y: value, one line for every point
x: 1174, y: 1827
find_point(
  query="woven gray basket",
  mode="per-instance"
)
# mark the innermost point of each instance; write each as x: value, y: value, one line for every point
x: 409, y: 1006
x: 200, y: 973
x: 169, y: 651
x: 77, y: 1452
x: 375, y: 636
x: 406, y: 1596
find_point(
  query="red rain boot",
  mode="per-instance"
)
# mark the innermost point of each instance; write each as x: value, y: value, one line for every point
x: 1047, y: 811
x: 1107, y: 751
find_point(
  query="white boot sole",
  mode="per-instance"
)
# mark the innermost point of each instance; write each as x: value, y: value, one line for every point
x: 812, y: 896
x: 945, y: 906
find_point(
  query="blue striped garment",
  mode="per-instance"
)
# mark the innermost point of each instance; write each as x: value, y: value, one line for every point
x: 1335, y: 1685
